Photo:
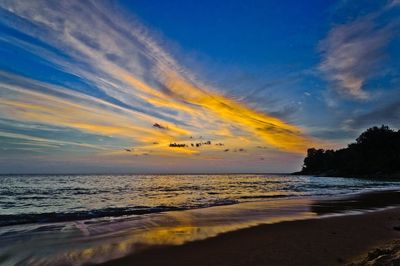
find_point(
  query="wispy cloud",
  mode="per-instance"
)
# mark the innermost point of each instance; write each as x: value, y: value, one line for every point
x: 44, y: 141
x: 351, y: 53
x: 356, y: 52
x: 143, y: 83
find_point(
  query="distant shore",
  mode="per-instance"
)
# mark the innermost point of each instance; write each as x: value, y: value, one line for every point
x: 338, y: 240
x: 334, y: 173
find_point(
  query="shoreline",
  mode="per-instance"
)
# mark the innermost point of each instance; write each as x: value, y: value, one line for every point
x: 118, y: 241
x: 327, y: 240
x: 370, y: 176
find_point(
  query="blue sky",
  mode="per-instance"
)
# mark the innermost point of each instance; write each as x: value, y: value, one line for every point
x: 108, y: 86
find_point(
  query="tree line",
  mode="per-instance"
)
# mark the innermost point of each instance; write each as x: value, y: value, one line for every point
x: 375, y: 152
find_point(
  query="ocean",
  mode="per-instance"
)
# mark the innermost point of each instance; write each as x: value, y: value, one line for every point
x: 78, y: 219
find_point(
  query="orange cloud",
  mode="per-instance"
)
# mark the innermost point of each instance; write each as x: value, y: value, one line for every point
x: 274, y: 131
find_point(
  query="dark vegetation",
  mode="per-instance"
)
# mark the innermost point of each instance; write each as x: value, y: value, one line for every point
x: 376, y: 153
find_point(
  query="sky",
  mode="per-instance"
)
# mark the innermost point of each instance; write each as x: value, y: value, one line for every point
x: 191, y: 86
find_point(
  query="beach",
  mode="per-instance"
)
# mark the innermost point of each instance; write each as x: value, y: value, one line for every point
x: 337, y: 240
x: 217, y: 220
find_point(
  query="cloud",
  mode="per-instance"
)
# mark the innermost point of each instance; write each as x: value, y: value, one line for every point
x: 394, y: 3
x: 144, y: 84
x: 386, y: 114
x: 351, y: 54
x: 45, y: 141
x: 29, y: 100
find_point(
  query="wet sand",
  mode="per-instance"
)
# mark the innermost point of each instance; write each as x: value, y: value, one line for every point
x: 336, y: 240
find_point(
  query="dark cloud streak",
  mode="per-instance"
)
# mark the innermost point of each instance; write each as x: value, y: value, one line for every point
x: 387, y: 114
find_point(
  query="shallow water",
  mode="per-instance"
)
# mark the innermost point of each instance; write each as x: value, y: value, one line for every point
x: 52, y: 198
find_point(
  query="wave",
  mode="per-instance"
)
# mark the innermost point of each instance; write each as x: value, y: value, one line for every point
x: 52, y: 217
x: 265, y: 196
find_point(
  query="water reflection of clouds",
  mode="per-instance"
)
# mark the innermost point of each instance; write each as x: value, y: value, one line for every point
x: 112, y: 238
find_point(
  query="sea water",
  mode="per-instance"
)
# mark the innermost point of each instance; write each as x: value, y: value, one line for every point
x: 77, y: 219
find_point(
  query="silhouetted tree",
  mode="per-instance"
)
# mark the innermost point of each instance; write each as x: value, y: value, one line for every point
x: 376, y: 151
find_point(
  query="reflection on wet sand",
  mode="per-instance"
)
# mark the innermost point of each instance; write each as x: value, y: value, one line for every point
x: 96, y: 241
